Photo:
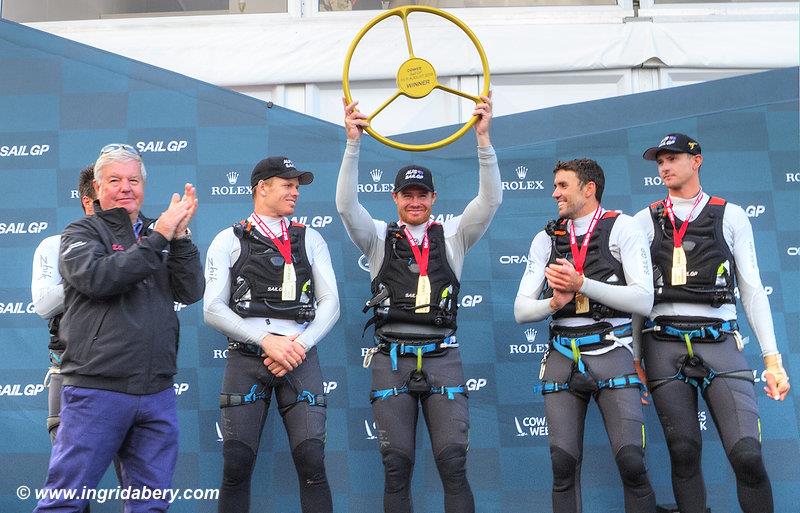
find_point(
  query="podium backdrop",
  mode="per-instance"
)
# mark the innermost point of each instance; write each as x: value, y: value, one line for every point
x: 60, y: 101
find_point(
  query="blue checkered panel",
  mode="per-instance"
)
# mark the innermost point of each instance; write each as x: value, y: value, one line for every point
x: 61, y: 101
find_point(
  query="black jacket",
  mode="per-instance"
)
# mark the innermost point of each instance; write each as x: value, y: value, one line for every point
x: 120, y: 326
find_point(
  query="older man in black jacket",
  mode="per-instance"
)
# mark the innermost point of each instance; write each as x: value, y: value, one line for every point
x: 122, y: 274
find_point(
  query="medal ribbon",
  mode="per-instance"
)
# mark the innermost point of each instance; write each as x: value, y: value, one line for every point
x: 579, y: 255
x: 284, y: 246
x: 420, y: 256
x: 677, y: 235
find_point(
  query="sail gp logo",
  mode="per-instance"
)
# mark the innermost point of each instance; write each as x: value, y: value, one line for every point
x: 161, y: 146
x: 18, y: 307
x: 232, y: 189
x: 530, y: 426
x: 522, y: 183
x: 376, y: 186
x: 313, y: 221
x: 23, y: 150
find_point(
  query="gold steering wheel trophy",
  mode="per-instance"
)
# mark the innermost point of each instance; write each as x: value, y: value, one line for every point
x: 416, y: 77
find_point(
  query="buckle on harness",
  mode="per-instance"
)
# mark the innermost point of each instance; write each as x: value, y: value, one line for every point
x: 246, y: 349
x: 417, y: 383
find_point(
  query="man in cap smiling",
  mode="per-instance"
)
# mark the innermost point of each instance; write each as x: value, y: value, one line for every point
x: 271, y: 290
x: 415, y: 265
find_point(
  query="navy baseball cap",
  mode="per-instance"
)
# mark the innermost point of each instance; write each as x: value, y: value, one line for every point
x: 414, y: 175
x: 675, y: 143
x: 279, y: 166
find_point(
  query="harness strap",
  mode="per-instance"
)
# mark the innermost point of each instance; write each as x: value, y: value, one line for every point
x: 246, y: 349
x: 397, y: 348
x: 229, y: 400
x: 450, y: 392
x: 625, y: 381
x: 570, y: 346
x: 702, y: 384
x: 55, y: 358
x: 387, y: 392
x: 699, y: 332
x: 306, y: 397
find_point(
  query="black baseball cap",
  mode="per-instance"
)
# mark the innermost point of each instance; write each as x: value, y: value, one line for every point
x: 413, y: 175
x: 675, y: 143
x: 279, y: 166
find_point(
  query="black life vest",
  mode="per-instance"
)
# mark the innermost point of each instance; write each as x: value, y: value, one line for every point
x: 395, y: 287
x: 710, y: 267
x: 600, y: 265
x: 257, y: 276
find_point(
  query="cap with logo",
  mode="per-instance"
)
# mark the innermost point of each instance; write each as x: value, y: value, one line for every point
x: 675, y: 143
x: 414, y: 175
x: 279, y: 166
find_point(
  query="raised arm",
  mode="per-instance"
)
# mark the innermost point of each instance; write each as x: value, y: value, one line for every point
x: 357, y: 221
x: 477, y: 215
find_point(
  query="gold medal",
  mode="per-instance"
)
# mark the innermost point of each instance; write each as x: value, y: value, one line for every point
x: 289, y: 287
x: 678, y: 266
x: 423, y: 299
x: 581, y: 303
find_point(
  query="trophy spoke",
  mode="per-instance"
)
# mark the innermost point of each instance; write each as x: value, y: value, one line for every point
x: 384, y: 105
x: 456, y: 92
x: 404, y: 16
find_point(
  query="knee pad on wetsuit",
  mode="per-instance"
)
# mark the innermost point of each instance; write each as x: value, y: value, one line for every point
x: 309, y: 460
x: 746, y: 460
x: 397, y: 470
x: 452, y: 464
x: 684, y: 454
x: 564, y: 469
x: 630, y: 462
x: 238, y: 462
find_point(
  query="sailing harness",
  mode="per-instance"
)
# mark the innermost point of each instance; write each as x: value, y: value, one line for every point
x: 570, y: 342
x: 691, y: 367
x: 254, y: 351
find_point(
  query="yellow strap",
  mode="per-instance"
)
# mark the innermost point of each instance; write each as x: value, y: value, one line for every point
x: 576, y: 353
x: 688, y: 344
x: 419, y: 359
x: 644, y: 441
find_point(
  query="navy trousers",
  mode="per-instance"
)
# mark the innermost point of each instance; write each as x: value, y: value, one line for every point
x: 96, y: 425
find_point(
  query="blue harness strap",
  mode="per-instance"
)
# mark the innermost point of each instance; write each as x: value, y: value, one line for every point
x: 311, y: 399
x: 228, y: 400
x: 387, y: 392
x: 570, y: 347
x: 699, y: 332
x: 396, y: 348
x: 626, y: 381
x: 450, y: 392
x: 686, y: 335
x: 55, y: 358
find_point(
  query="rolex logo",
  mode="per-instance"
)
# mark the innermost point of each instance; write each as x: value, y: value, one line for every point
x: 522, y: 172
x: 530, y: 334
x: 376, y: 175
x: 232, y: 177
